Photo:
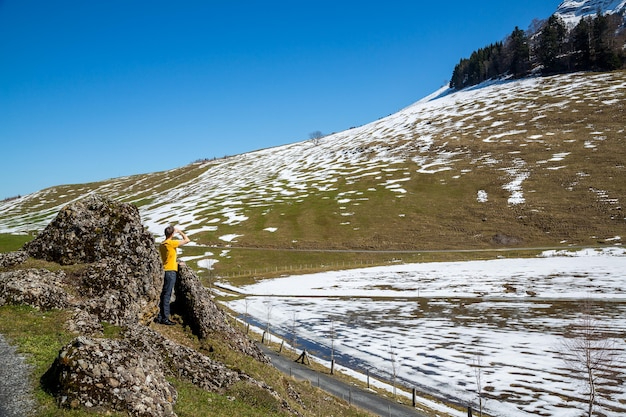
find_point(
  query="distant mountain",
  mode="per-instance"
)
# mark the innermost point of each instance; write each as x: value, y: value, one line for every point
x: 538, y: 161
x: 571, y: 11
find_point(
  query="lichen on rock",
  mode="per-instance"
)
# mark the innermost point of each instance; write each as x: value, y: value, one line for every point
x: 105, y: 374
x: 123, y: 275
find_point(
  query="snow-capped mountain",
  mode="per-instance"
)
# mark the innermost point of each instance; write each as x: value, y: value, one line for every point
x: 571, y: 11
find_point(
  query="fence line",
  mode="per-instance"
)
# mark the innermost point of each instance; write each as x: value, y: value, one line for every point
x: 300, y: 267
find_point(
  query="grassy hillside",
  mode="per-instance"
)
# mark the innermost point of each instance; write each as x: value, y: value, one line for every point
x: 528, y: 163
x: 472, y: 174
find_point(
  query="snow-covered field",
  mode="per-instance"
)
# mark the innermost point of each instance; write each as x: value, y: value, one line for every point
x: 436, y: 321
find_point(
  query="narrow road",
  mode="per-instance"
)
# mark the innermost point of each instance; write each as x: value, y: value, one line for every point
x: 356, y: 396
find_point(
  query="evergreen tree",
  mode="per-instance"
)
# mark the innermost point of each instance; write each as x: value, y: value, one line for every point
x: 605, y: 57
x: 551, y: 45
x: 519, y: 53
x: 581, y: 42
x: 459, y: 75
x: 483, y: 64
x: 594, y: 44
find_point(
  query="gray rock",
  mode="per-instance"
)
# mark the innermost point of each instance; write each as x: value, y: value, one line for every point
x: 92, y: 229
x: 124, y: 275
x: 180, y: 361
x: 205, y: 318
x: 105, y: 374
x: 38, y: 288
x: 12, y: 258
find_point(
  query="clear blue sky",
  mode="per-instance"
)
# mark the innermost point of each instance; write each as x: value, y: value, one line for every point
x: 96, y: 89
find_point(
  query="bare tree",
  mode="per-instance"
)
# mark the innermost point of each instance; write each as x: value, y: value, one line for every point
x: 315, y: 137
x: 332, y: 346
x: 267, y: 333
x: 394, y: 366
x: 589, y: 354
x: 478, y: 374
x: 246, y: 316
x: 294, y: 330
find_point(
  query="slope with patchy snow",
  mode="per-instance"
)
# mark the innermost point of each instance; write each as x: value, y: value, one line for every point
x: 506, y: 151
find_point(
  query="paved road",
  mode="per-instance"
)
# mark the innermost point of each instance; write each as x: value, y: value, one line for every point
x: 15, y: 392
x: 361, y: 398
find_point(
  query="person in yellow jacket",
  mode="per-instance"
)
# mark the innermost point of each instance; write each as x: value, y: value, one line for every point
x: 167, y: 249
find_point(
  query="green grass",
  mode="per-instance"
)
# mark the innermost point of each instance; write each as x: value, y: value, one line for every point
x: 193, y: 401
x: 39, y: 336
x: 243, y: 266
x: 12, y: 242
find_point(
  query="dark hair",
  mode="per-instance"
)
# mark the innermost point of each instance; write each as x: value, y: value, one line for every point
x: 169, y: 231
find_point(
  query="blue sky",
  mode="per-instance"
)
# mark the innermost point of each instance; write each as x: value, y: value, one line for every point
x: 91, y: 90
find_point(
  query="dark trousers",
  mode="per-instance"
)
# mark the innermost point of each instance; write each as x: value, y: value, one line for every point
x: 166, y: 294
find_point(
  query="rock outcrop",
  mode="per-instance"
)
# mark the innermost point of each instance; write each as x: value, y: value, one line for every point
x: 105, y: 374
x: 117, y: 279
x: 12, y: 258
x: 38, y: 288
x: 124, y: 274
x: 96, y: 228
x: 204, y: 317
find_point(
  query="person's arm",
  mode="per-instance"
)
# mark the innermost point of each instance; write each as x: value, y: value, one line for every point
x: 184, y: 236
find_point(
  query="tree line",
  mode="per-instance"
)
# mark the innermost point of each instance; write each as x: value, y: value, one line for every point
x: 596, y: 43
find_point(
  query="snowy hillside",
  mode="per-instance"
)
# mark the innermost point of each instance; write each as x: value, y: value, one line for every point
x: 571, y: 11
x: 536, y: 159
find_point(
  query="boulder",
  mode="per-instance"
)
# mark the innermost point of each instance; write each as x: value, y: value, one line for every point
x: 92, y: 229
x: 117, y: 293
x: 180, y: 361
x: 38, y: 288
x: 10, y: 259
x: 123, y: 276
x: 105, y: 374
x: 205, y: 318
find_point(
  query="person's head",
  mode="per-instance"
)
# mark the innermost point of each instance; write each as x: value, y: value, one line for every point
x: 169, y: 231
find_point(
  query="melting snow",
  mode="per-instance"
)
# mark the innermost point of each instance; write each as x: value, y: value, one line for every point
x: 229, y: 238
x: 440, y: 317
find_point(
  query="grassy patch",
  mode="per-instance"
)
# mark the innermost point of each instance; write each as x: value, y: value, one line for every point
x: 243, y: 266
x: 11, y: 242
x: 40, y: 335
x: 193, y: 401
